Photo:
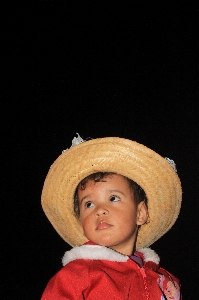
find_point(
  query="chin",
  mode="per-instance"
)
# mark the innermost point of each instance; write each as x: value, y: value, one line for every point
x: 106, y: 242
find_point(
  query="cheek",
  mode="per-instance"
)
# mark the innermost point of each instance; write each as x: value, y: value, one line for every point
x: 130, y: 215
x: 86, y: 224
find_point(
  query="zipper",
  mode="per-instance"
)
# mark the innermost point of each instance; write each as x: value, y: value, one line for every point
x: 142, y: 271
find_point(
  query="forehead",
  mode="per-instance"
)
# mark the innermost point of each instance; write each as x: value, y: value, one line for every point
x: 113, y: 179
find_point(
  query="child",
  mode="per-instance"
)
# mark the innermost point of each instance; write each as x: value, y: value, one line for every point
x: 111, y: 198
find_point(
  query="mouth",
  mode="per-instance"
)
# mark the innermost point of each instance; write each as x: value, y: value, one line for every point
x: 103, y: 225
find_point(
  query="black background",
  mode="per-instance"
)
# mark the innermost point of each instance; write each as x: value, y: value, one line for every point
x: 99, y: 69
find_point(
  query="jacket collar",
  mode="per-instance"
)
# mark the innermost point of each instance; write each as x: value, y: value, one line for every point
x: 96, y: 252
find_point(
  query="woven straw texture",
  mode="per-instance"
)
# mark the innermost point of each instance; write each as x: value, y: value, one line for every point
x: 135, y: 161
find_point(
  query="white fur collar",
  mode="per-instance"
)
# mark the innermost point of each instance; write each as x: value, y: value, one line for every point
x: 96, y: 252
x: 150, y: 255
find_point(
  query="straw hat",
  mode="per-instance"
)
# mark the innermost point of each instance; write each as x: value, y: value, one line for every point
x: 112, y: 154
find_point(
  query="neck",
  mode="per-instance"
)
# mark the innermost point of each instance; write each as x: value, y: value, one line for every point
x: 124, y: 249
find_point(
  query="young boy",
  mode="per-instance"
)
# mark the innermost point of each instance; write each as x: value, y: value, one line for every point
x: 110, y: 198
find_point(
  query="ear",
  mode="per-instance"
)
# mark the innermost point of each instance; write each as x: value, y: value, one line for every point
x: 142, y: 213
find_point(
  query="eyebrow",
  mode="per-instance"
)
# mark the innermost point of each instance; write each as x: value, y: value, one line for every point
x: 87, y: 196
x: 116, y: 191
x: 110, y: 191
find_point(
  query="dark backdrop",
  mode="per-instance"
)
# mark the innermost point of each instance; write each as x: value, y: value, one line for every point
x: 99, y: 69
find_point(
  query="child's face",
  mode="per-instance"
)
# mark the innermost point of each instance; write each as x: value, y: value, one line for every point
x: 109, y: 214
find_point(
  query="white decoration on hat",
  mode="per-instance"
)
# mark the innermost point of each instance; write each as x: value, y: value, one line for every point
x: 172, y: 163
x: 76, y: 140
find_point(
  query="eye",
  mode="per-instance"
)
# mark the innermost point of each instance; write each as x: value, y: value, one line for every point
x: 114, y: 198
x: 89, y: 204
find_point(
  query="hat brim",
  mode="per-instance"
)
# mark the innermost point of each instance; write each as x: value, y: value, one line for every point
x: 128, y: 158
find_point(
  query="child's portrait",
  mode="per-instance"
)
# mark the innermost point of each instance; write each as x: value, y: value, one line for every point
x: 110, y: 199
x: 99, y: 143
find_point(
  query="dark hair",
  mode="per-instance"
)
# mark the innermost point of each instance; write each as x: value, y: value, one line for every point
x: 138, y: 192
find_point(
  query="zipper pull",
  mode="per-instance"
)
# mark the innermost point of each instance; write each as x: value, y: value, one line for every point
x: 142, y: 271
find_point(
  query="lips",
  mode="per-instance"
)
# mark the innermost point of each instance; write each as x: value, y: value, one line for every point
x: 103, y: 225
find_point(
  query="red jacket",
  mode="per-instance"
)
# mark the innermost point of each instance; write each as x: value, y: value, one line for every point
x: 95, y: 272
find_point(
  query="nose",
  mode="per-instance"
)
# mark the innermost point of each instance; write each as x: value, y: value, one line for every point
x: 100, y: 211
